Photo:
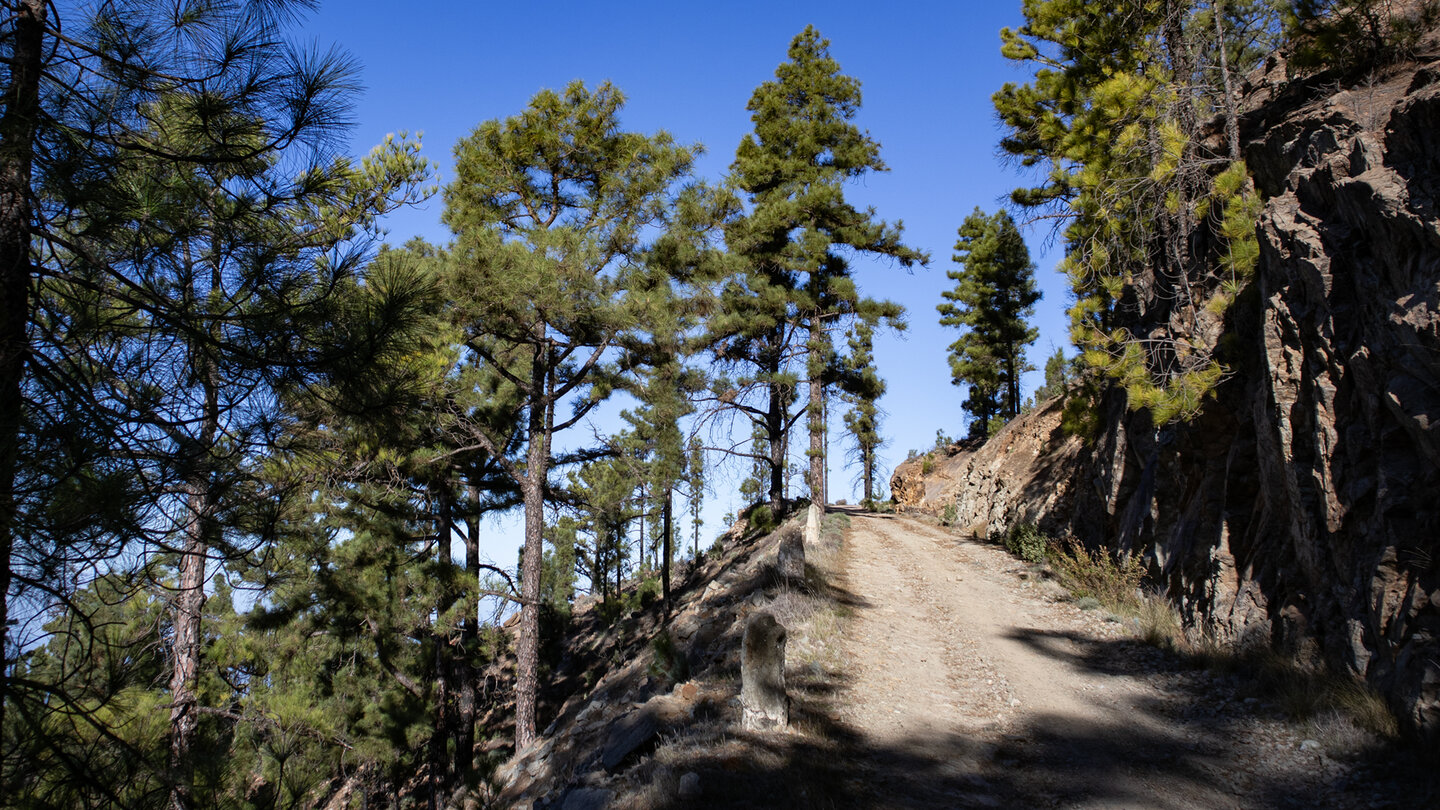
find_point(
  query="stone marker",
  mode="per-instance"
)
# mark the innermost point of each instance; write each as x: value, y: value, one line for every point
x: 762, y: 674
x: 791, y: 557
x: 813, y: 516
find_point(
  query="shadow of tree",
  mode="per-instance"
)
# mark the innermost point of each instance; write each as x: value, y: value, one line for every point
x: 1147, y: 753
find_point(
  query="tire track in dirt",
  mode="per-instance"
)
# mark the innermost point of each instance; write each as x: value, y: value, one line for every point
x: 969, y: 689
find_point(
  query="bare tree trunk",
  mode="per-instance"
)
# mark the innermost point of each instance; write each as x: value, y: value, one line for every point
x: 665, y: 555
x: 775, y: 435
x: 200, y: 508
x: 470, y: 644
x: 1232, y: 117
x: 817, y: 444
x: 17, y: 139
x: 867, y: 471
x: 532, y: 490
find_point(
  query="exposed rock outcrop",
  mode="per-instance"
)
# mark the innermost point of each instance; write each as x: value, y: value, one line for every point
x: 1303, y: 505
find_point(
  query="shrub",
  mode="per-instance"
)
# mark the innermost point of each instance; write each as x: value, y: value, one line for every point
x: 928, y: 464
x: 949, y: 515
x: 669, y: 662
x: 1025, y: 541
x: 649, y: 591
x: 1350, y: 34
x: 1337, y: 702
x: 1111, y: 580
x: 762, y: 519
x: 1159, y: 623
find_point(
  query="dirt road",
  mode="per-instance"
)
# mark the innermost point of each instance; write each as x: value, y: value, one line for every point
x: 972, y: 682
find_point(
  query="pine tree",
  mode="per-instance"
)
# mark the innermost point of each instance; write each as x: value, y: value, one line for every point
x: 863, y: 388
x: 1153, y: 211
x: 1057, y: 377
x: 994, y: 293
x: 793, y: 243
x: 174, y: 235
x: 546, y: 206
x: 603, y: 491
x: 695, y: 484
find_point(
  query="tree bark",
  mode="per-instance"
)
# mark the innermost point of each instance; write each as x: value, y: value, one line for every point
x: 775, y: 435
x: 200, y: 510
x: 532, y: 490
x: 470, y: 644
x: 867, y: 469
x: 17, y: 157
x: 665, y: 552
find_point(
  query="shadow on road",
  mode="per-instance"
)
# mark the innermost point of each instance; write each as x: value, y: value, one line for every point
x: 1146, y: 755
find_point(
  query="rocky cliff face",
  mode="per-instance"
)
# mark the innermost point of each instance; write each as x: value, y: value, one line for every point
x: 1303, y: 506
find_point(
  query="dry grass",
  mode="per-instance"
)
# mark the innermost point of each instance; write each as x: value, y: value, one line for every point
x: 1159, y: 622
x: 1341, y: 712
x: 812, y: 619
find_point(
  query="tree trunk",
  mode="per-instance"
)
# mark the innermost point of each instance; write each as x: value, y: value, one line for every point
x: 1232, y: 118
x: 200, y: 508
x: 184, y: 676
x: 867, y: 471
x: 470, y: 645
x: 532, y: 490
x: 441, y: 765
x: 665, y: 555
x: 817, y: 443
x: 644, y: 502
x: 775, y: 436
x: 17, y: 138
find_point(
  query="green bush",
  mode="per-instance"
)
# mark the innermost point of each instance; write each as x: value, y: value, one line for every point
x: 669, y: 662
x: 949, y: 515
x: 1025, y: 541
x: 649, y: 591
x: 834, y: 525
x: 762, y: 519
x: 928, y: 464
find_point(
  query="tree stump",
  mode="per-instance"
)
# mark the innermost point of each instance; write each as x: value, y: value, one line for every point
x: 790, y: 560
x: 762, y: 674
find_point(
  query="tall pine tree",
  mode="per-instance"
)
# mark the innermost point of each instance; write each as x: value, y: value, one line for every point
x: 174, y: 231
x: 546, y: 206
x: 994, y: 293
x: 794, y: 243
x: 863, y: 388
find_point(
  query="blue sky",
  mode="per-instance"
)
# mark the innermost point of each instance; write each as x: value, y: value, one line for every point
x: 927, y: 70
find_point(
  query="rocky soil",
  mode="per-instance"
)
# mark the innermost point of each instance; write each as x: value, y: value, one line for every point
x: 927, y: 669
